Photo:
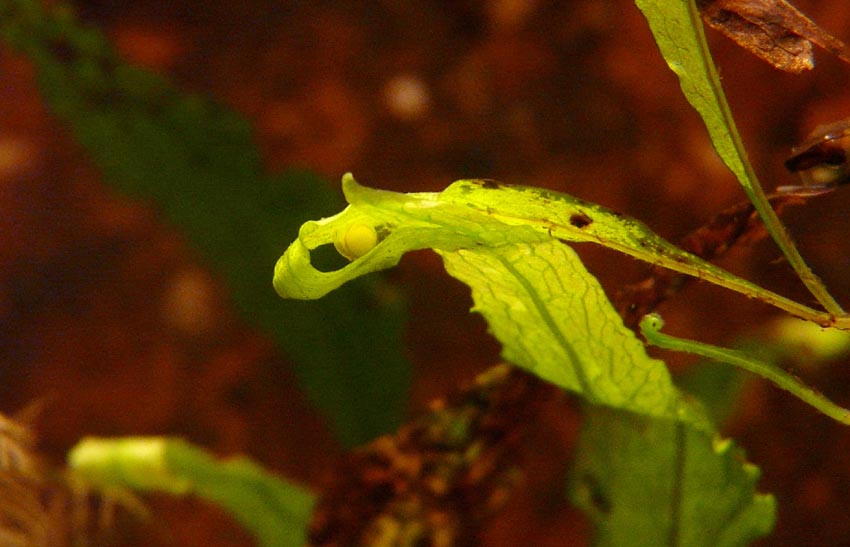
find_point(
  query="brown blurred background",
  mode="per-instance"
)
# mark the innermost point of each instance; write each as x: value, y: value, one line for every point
x: 106, y: 316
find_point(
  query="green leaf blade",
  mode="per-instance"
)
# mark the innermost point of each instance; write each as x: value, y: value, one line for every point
x: 554, y: 319
x: 461, y: 217
x: 677, y: 29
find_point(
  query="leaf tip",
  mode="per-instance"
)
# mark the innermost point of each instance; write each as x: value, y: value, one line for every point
x: 349, y: 185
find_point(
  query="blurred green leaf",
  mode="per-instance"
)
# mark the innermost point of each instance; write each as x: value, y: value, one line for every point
x: 806, y: 342
x: 647, y: 482
x: 196, y: 161
x: 717, y: 386
x: 275, y: 511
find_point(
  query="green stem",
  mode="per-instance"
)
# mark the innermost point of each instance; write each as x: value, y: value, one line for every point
x: 754, y: 191
x: 780, y: 235
x: 651, y: 325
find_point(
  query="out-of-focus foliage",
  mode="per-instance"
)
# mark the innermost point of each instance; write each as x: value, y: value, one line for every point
x: 650, y: 482
x: 196, y: 162
x: 275, y: 511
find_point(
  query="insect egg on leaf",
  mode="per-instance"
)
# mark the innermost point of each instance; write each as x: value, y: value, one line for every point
x: 355, y: 240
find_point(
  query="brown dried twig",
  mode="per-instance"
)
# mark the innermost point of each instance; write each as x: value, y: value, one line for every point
x: 438, y: 480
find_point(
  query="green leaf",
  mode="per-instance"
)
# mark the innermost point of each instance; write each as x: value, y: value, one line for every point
x: 549, y: 313
x: 453, y: 219
x: 678, y: 31
x: 554, y: 319
x: 649, y: 482
x: 277, y: 512
x: 717, y: 387
x: 198, y: 163
x: 801, y: 340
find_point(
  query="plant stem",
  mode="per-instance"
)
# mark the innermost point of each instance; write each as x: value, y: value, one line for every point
x: 753, y: 188
x: 651, y: 326
x: 780, y: 235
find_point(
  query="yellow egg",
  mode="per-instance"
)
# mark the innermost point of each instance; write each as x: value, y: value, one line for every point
x: 357, y: 240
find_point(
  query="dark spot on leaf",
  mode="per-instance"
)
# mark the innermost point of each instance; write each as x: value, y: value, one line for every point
x: 489, y: 184
x: 597, y: 497
x: 580, y: 220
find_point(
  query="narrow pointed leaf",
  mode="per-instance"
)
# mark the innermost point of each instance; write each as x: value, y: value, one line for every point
x: 678, y: 31
x: 462, y: 217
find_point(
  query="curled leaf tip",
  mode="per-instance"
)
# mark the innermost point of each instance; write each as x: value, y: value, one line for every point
x: 651, y: 324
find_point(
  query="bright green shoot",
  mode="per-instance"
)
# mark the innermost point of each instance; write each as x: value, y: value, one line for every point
x: 679, y: 34
x: 652, y: 324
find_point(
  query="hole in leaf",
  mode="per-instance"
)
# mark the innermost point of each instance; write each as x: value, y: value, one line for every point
x: 327, y: 259
x: 580, y: 220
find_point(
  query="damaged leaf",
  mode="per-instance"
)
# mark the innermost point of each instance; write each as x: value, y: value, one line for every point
x: 773, y: 30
